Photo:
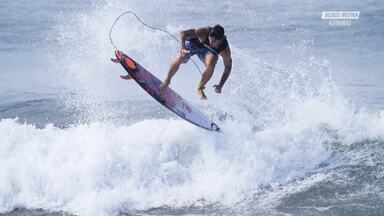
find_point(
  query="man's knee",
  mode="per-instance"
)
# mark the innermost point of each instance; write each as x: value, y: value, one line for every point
x: 181, y: 58
x: 210, y: 61
x: 210, y: 68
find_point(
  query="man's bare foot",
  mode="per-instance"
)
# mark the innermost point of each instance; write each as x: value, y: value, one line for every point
x: 164, y: 86
x: 202, y: 95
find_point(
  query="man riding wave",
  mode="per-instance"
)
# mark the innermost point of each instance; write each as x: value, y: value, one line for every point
x: 207, y: 43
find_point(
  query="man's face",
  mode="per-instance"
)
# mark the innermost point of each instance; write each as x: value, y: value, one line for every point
x: 214, y: 42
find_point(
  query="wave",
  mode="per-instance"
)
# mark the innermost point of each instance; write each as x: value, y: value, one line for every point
x: 102, y: 168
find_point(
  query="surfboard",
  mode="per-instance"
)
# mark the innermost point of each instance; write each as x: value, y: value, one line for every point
x: 169, y: 98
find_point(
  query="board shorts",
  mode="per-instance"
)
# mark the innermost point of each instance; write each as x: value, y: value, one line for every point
x: 200, y: 52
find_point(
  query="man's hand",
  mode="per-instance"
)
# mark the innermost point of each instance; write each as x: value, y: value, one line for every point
x: 184, y: 51
x: 217, y: 88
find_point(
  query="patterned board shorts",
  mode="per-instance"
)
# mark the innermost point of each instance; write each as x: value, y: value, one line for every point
x: 200, y: 52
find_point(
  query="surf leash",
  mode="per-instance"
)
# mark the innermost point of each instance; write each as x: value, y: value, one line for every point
x: 146, y: 25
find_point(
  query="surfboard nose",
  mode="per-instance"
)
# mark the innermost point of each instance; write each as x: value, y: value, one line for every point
x: 119, y: 55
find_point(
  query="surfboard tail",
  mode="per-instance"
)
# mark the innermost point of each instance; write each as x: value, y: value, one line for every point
x: 214, y: 127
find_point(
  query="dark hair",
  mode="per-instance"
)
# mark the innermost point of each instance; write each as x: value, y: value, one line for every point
x: 217, y: 32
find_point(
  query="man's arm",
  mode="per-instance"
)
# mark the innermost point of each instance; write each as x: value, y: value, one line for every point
x: 227, y: 60
x: 200, y: 33
x: 185, y: 35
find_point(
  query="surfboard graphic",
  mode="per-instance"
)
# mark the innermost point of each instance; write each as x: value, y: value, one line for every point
x: 170, y: 99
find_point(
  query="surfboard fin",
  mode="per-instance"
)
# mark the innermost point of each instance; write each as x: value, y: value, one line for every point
x: 126, y: 77
x: 115, y: 60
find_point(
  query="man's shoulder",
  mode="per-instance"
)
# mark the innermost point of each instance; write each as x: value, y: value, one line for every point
x: 202, y: 30
x: 226, y: 52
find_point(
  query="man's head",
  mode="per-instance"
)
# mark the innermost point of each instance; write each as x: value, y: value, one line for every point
x: 216, y: 36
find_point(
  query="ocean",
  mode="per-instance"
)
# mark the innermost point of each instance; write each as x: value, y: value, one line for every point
x: 302, y: 113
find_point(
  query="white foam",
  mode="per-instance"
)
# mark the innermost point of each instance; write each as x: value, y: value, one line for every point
x: 99, y: 168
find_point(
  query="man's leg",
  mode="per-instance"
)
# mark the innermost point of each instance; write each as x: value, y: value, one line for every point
x: 210, y: 63
x: 172, y: 70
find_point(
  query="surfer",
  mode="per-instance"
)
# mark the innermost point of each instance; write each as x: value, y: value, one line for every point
x: 207, y: 43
